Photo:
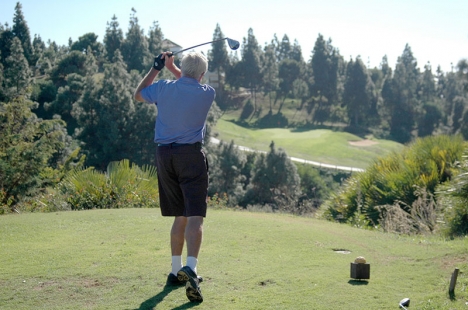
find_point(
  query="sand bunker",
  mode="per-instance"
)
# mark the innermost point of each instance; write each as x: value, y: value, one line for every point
x: 365, y: 142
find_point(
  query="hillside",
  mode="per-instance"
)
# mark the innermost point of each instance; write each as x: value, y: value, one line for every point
x: 321, y: 145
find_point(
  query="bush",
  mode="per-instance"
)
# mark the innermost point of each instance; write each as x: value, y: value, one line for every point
x: 453, y: 199
x: 395, y: 178
x: 122, y: 186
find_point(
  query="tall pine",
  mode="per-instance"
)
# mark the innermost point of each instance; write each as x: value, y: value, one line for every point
x: 135, y: 46
x: 20, y: 30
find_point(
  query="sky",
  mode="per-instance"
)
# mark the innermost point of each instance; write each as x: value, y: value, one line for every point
x: 436, y: 30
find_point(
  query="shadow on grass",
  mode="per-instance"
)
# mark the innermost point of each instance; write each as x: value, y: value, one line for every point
x: 151, y: 303
x: 358, y: 282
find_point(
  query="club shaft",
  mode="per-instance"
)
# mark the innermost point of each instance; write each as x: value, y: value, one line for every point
x: 197, y: 46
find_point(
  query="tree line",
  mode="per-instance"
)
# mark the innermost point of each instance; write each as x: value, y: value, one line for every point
x: 79, y: 97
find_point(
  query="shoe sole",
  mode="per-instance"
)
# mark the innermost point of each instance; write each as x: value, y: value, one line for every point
x: 183, y: 276
x: 193, y: 291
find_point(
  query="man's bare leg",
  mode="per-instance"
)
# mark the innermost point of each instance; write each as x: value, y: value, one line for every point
x: 177, y: 242
x: 194, y: 235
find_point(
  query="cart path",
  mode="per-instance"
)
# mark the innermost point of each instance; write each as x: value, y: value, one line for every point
x: 299, y: 160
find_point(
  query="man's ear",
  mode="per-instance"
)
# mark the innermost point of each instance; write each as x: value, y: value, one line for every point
x: 201, y: 77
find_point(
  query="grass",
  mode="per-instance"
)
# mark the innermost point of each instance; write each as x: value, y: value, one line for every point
x: 119, y: 259
x: 320, y: 145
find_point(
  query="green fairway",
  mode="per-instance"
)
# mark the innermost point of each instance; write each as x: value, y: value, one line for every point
x: 119, y: 259
x: 320, y: 145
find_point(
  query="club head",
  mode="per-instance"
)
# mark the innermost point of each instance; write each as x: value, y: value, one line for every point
x: 404, y: 303
x: 233, y: 44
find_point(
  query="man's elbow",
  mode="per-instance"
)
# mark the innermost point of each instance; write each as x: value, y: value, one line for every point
x: 137, y: 96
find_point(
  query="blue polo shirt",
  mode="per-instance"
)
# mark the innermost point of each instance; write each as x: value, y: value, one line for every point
x: 183, y: 106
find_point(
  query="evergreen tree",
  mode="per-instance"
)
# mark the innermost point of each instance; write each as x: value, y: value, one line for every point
x: 218, y: 60
x: 107, y: 134
x: 284, y: 49
x: 2, y: 94
x: 358, y: 95
x: 155, y: 38
x: 6, y: 41
x: 135, y: 46
x: 48, y: 58
x: 400, y: 97
x: 324, y: 65
x: 17, y: 74
x: 226, y: 173
x: 66, y: 96
x: 87, y: 111
x: 296, y: 53
x: 275, y: 181
x: 113, y: 38
x: 85, y: 41
x: 73, y: 62
x: 250, y: 64
x: 20, y: 30
x: 27, y: 146
x: 431, y: 110
x: 38, y: 48
x: 270, y: 72
x: 289, y: 71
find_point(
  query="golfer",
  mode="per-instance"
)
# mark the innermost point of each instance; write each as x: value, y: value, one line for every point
x: 182, y: 169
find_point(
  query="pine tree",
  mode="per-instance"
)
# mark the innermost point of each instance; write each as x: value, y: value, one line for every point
x: 39, y: 48
x: 284, y: 49
x: 400, y: 97
x: 289, y: 71
x: 27, y: 146
x: 250, y: 64
x: 6, y: 39
x: 324, y: 65
x: 155, y: 38
x: 270, y: 72
x: 17, y: 74
x: 135, y: 46
x: 226, y: 172
x: 275, y: 181
x: 358, y: 95
x: 105, y: 116
x: 20, y: 30
x: 113, y: 38
x: 218, y: 60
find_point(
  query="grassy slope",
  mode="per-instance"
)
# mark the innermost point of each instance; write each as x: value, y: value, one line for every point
x: 321, y: 145
x: 119, y: 259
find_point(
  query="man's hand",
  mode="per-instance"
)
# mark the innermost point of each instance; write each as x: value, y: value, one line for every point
x: 168, y: 57
x: 159, y: 62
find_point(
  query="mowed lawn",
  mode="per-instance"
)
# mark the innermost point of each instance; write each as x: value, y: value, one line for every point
x: 119, y: 259
x: 320, y: 145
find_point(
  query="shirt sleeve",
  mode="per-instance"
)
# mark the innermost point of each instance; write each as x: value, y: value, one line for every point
x: 150, y: 93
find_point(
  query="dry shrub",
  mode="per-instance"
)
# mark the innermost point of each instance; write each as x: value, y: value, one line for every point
x: 419, y: 218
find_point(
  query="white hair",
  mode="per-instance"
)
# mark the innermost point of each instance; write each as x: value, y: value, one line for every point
x: 193, y: 65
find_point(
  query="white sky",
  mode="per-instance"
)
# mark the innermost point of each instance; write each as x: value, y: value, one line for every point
x: 436, y: 30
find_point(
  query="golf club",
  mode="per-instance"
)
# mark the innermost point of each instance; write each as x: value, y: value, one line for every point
x: 404, y: 303
x: 233, y: 44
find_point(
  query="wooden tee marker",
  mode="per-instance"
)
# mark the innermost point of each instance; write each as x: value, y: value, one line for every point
x: 453, y: 281
x: 360, y: 271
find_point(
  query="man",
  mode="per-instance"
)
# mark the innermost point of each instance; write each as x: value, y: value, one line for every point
x: 182, y: 168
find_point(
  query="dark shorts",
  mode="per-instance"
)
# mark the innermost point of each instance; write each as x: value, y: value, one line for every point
x: 182, y: 180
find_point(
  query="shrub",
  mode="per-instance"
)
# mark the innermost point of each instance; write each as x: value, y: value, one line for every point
x: 395, y: 178
x: 122, y: 186
x: 453, y: 199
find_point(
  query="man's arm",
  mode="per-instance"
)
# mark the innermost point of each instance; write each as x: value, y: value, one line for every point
x: 147, y: 81
x: 171, y: 66
x: 151, y: 75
